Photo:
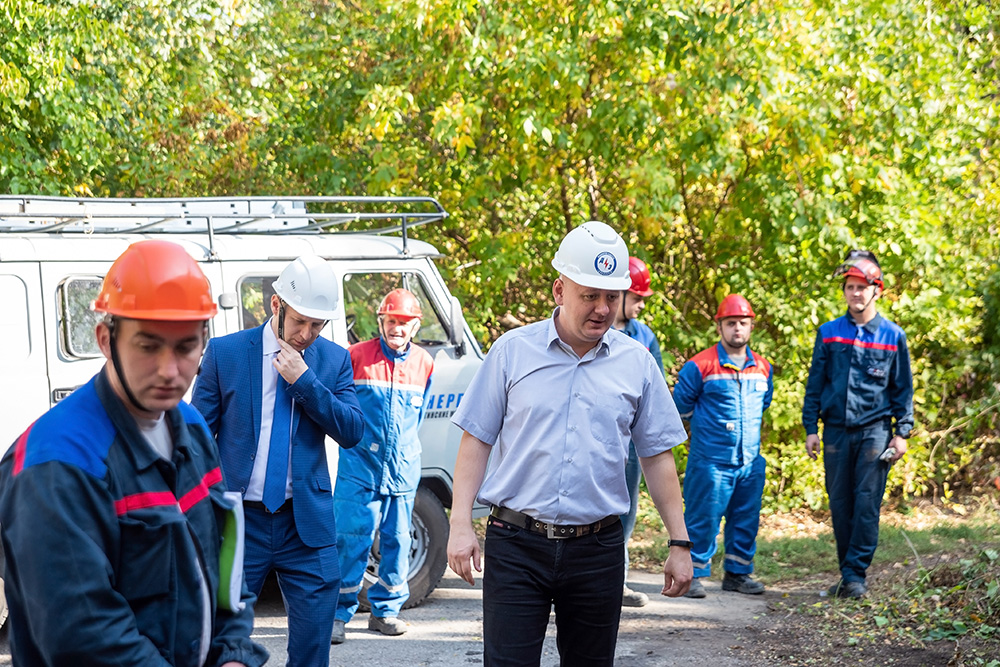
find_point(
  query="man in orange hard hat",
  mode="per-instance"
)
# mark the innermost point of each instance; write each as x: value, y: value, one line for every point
x: 723, y: 392
x: 110, y: 501
x: 377, y: 482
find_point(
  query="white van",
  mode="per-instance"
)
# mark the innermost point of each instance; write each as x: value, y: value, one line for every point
x: 54, y: 252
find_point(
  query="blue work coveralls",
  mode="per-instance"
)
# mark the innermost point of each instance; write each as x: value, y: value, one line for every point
x: 377, y: 480
x: 861, y: 386
x: 725, y: 406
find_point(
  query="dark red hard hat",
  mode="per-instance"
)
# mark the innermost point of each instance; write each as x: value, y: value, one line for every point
x: 734, y: 305
x: 861, y: 264
x: 641, y: 279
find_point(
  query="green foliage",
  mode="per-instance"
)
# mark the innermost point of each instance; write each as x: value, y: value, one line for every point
x: 739, y: 147
x: 948, y: 601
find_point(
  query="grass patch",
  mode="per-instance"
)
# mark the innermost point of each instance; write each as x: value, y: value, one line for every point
x: 801, y: 547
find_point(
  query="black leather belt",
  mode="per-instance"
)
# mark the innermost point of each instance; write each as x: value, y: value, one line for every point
x: 257, y: 505
x: 553, y: 532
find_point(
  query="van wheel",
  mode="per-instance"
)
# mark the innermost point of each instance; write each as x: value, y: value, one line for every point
x: 428, y: 552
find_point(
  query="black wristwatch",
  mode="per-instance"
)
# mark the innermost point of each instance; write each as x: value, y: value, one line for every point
x: 687, y: 544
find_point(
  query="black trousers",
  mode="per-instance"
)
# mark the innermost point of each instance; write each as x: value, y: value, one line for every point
x: 526, y: 573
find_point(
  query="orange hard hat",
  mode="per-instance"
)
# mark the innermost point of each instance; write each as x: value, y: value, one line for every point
x: 641, y: 279
x: 734, y: 305
x: 400, y: 303
x: 156, y: 280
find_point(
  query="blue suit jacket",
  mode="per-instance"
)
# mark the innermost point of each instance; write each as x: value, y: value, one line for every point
x: 228, y: 394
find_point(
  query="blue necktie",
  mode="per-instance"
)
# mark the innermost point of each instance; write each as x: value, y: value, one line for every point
x: 277, y: 457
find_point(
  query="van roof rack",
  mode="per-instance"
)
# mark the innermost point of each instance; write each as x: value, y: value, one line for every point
x: 215, y: 215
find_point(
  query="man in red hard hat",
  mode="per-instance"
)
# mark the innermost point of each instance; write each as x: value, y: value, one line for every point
x: 626, y: 321
x: 110, y: 501
x: 377, y: 481
x: 723, y: 392
x: 861, y: 386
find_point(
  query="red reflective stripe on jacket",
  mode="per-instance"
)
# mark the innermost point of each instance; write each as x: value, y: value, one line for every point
x: 19, y: 447
x: 140, y: 501
x: 858, y: 343
x: 200, y: 492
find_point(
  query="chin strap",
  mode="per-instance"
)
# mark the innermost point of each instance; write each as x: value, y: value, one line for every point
x: 117, y: 363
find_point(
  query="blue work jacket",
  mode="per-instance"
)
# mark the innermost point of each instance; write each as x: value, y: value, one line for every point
x: 859, y: 375
x: 724, y: 404
x: 106, y: 541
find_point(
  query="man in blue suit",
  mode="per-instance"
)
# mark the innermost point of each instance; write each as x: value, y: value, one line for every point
x: 270, y: 396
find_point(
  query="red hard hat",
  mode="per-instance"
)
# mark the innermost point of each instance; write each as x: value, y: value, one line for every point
x: 641, y: 279
x: 156, y: 280
x: 861, y: 264
x: 734, y: 305
x: 400, y: 303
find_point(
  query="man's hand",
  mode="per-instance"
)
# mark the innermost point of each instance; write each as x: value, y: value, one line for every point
x: 289, y: 362
x: 900, y: 446
x: 463, y: 547
x: 677, y: 572
x: 812, y: 446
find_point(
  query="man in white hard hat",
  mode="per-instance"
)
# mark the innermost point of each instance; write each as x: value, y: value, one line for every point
x: 270, y: 396
x: 556, y: 403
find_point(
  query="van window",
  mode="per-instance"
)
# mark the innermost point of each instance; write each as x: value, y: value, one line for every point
x: 14, y: 327
x: 78, y: 321
x: 364, y: 291
x: 255, y: 299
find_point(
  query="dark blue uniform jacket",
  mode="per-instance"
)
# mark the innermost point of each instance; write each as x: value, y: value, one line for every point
x: 859, y: 375
x: 104, y: 540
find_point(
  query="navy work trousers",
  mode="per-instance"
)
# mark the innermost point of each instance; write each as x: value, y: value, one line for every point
x: 855, y: 482
x: 526, y: 573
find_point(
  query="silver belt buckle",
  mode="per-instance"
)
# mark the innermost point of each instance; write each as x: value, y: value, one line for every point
x: 550, y: 533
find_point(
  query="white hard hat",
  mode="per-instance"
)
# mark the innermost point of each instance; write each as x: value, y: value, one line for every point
x: 309, y: 285
x: 594, y: 255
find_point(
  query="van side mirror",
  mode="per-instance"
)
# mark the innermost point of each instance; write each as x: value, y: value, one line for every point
x: 456, y: 333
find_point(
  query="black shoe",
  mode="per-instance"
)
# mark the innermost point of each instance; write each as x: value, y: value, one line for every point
x: 847, y: 589
x: 741, y: 583
x: 697, y: 590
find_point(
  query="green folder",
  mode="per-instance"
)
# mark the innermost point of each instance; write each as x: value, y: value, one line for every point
x: 231, y: 555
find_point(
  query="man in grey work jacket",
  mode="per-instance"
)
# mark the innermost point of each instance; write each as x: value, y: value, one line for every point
x: 113, y: 502
x: 861, y: 386
x: 556, y: 403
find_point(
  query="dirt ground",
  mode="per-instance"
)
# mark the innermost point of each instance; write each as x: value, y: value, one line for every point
x: 790, y: 625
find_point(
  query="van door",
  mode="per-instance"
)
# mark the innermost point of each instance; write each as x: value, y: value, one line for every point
x: 24, y: 392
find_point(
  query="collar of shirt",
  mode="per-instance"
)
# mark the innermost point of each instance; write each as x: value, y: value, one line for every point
x: 269, y: 344
x: 725, y: 360
x: 871, y: 326
x: 393, y: 355
x: 603, y: 347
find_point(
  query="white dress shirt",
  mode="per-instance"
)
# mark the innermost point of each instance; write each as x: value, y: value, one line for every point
x: 268, y: 386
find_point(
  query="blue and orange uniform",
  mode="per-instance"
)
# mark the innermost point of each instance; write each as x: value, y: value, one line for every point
x: 377, y: 480
x: 725, y: 405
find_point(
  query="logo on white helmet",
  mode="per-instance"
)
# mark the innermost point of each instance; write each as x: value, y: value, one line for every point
x: 605, y: 263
